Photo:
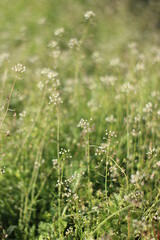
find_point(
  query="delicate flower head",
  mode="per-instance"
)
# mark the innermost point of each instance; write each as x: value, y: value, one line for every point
x: 55, y: 99
x: 73, y: 42
x: 53, y: 44
x: 111, y: 119
x: 148, y: 108
x: 19, y: 68
x: 84, y: 124
x: 49, y: 73
x: 65, y: 153
x: 89, y: 15
x: 59, y: 32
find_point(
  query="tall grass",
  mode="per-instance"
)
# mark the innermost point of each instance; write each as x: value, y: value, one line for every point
x: 79, y: 122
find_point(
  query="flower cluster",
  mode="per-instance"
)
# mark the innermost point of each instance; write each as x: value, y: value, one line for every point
x: 55, y: 99
x: 89, y: 15
x: 111, y: 119
x: 109, y: 135
x: 102, y: 149
x: 19, y: 68
x: 152, y: 152
x: 108, y: 80
x: 84, y: 124
x: 53, y: 44
x: 128, y: 88
x: 73, y: 43
x: 54, y: 162
x: 59, y: 32
x: 148, y: 108
x: 65, y: 154
x: 22, y: 115
x: 50, y: 74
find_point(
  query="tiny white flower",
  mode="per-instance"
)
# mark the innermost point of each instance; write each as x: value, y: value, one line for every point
x: 59, y: 32
x: 89, y: 15
x: 19, y: 68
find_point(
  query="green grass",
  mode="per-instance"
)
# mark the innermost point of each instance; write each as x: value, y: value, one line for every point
x: 79, y: 129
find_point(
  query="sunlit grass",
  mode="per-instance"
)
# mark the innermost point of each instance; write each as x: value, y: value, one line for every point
x: 79, y: 122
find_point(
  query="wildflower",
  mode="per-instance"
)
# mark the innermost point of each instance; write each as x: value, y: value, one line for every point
x: 19, y: 68
x: 132, y: 45
x: 84, y: 124
x: 152, y: 152
x: 54, y: 162
x: 133, y: 48
x: 49, y: 73
x: 22, y: 115
x: 59, y: 32
x: 55, y: 99
x: 53, y: 44
x: 108, y: 80
x: 40, y: 85
x: 111, y: 119
x: 96, y: 57
x: 73, y: 42
x: 55, y: 54
x: 148, y: 108
x: 65, y: 153
x: 89, y: 15
x: 158, y: 163
x: 115, y: 62
x: 139, y: 67
x: 156, y: 59
x: 128, y: 88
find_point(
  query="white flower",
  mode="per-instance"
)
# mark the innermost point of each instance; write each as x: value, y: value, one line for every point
x: 73, y: 42
x: 19, y: 68
x: 139, y: 67
x: 84, y: 124
x: 115, y: 62
x: 55, y: 99
x: 89, y: 15
x: 109, y: 80
x: 59, y: 32
x: 148, y: 108
x: 111, y: 119
x: 53, y: 44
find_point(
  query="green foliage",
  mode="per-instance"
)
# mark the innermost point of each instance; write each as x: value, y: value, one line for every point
x: 79, y: 121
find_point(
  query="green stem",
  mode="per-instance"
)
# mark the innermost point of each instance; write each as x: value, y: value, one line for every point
x: 59, y: 169
x: 8, y: 103
x: 88, y: 159
x: 106, y: 188
x: 111, y: 216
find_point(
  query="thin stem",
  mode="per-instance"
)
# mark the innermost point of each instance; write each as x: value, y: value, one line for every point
x: 8, y: 103
x: 128, y: 150
x: 128, y: 222
x: 106, y: 190
x: 59, y: 168
x: 121, y: 170
x: 88, y: 159
x: 109, y: 217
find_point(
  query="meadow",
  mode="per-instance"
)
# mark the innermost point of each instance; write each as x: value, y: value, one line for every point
x: 79, y: 120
